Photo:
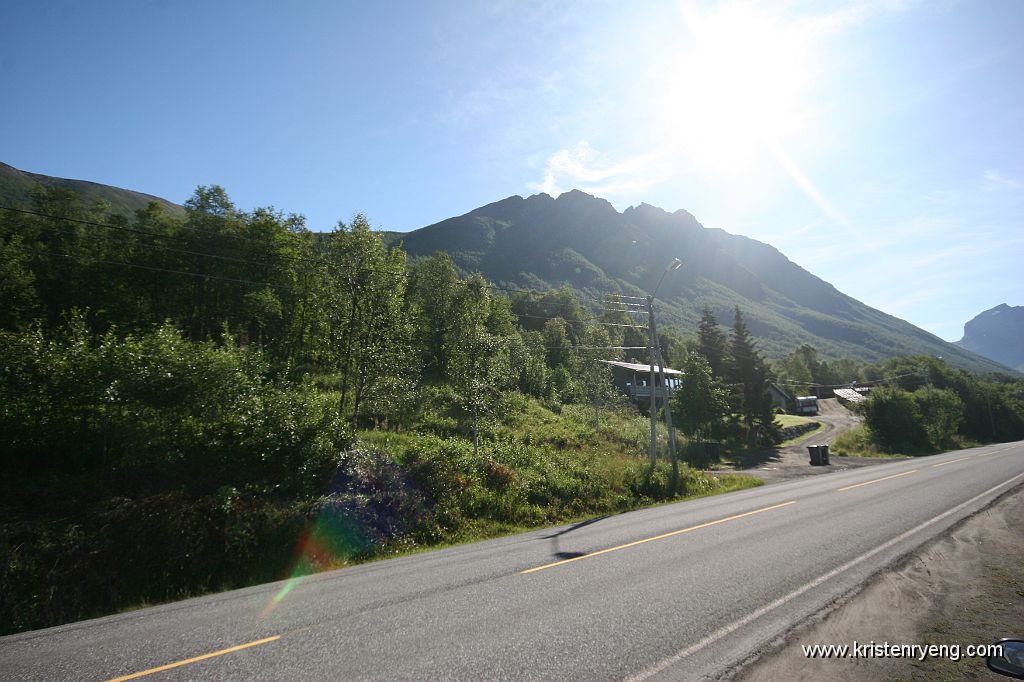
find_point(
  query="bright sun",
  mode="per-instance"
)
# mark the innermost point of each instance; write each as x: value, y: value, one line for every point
x: 735, y: 87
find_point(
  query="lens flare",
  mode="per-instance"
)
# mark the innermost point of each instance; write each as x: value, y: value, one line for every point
x: 329, y: 542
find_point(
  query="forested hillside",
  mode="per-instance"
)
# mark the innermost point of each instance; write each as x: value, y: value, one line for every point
x: 581, y: 241
x: 18, y: 186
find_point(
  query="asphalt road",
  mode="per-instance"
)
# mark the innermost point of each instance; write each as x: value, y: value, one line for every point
x: 682, y: 591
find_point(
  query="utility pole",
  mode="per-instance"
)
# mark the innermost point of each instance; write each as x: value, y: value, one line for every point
x: 652, y: 403
x: 991, y: 419
x: 661, y: 372
x: 652, y: 353
x: 668, y: 415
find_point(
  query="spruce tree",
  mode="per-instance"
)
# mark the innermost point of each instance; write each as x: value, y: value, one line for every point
x: 749, y: 370
x: 701, y: 401
x: 712, y: 343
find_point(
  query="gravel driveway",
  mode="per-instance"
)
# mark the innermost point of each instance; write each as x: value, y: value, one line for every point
x: 793, y: 461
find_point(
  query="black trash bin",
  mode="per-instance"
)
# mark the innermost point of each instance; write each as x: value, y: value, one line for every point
x: 712, y: 451
x: 696, y: 455
x: 824, y: 453
x: 815, y: 452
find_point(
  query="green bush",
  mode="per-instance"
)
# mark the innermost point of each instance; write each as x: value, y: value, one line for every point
x: 170, y: 545
x: 125, y: 552
x: 942, y: 413
x: 923, y: 421
x: 895, y: 421
x: 158, y: 412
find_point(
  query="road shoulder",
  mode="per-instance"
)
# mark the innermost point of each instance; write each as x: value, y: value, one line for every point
x: 965, y: 587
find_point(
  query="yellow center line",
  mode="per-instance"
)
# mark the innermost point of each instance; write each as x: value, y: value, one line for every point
x: 194, y: 660
x: 656, y: 537
x: 878, y: 480
x: 952, y: 461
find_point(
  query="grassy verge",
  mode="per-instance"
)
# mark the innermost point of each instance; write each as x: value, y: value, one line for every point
x: 478, y: 531
x: 539, y: 466
x: 803, y: 436
x: 389, y: 493
x: 857, y: 442
x: 787, y: 420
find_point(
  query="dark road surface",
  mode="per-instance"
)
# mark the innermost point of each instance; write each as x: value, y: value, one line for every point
x: 683, y: 591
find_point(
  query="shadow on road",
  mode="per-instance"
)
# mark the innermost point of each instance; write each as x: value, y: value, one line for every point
x: 576, y: 526
x: 556, y: 551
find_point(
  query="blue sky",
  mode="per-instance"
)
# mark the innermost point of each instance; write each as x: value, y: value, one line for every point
x: 879, y: 145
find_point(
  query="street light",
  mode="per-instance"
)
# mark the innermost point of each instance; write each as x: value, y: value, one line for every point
x: 674, y: 265
x: 652, y: 349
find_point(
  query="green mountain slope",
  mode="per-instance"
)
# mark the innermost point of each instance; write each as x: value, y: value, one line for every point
x: 583, y: 242
x: 16, y: 187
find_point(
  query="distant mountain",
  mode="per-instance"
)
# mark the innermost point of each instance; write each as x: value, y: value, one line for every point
x: 997, y: 334
x: 16, y: 187
x: 583, y: 242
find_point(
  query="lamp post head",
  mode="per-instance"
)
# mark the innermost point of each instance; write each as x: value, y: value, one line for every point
x: 674, y: 265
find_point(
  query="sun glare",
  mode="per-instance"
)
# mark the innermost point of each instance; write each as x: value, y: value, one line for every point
x: 734, y: 86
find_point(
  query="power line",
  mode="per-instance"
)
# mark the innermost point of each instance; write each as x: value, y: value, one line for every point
x: 817, y: 385
x: 626, y: 310
x: 616, y: 299
x: 237, y: 237
x: 123, y: 228
x: 519, y: 291
x: 548, y: 291
x: 603, y: 347
x: 559, y: 317
x: 155, y: 269
x: 321, y: 261
x: 182, y: 251
x: 38, y: 214
x: 293, y: 256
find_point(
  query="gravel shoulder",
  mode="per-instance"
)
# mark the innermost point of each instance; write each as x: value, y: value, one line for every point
x: 966, y: 587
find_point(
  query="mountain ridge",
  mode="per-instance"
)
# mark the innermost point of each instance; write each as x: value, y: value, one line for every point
x: 582, y: 241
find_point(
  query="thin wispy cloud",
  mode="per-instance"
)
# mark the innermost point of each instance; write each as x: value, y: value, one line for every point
x: 994, y: 180
x: 584, y: 168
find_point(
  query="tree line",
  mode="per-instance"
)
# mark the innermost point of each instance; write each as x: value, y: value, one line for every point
x: 340, y: 304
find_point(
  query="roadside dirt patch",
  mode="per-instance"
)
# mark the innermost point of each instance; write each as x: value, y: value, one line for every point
x: 966, y: 587
x: 793, y: 461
